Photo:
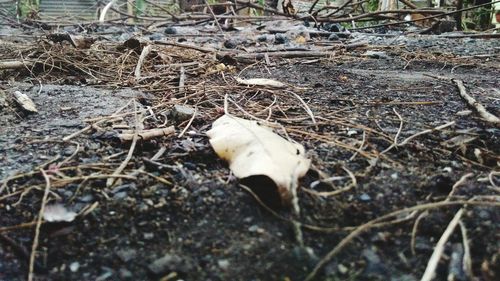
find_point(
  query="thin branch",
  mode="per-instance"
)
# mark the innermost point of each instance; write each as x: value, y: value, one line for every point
x: 475, y: 104
x: 439, y: 249
x: 424, y: 18
x: 371, y: 224
x: 38, y: 224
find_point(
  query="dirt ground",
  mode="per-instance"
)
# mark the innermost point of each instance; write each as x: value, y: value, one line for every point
x: 197, y: 223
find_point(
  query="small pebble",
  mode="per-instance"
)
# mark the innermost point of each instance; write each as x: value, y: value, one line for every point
x: 230, y: 44
x: 262, y: 38
x: 126, y: 254
x: 333, y: 37
x: 447, y: 169
x: 182, y: 112
x: 342, y: 269
x: 74, y: 266
x: 170, y: 30
x: 365, y: 197
x: 223, y: 264
x: 85, y: 199
x: 125, y: 274
x: 155, y: 36
x: 280, y: 38
x: 120, y: 195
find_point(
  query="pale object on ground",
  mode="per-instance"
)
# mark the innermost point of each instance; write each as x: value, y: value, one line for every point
x: 147, y: 134
x: 252, y: 149
x: 261, y: 82
x: 58, y: 213
x: 25, y: 102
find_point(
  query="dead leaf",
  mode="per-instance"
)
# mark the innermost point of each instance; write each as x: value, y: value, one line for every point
x: 261, y: 82
x: 255, y: 150
x: 58, y: 213
x: 25, y: 102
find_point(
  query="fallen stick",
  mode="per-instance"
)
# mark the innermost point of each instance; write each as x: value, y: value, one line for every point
x: 161, y: 8
x: 105, y: 10
x: 291, y: 54
x: 378, y: 14
x: 145, y: 52
x: 189, y: 123
x: 38, y: 224
x: 182, y: 79
x: 99, y: 121
x: 110, y: 181
x: 475, y: 104
x: 197, y: 48
x: 375, y: 222
x: 467, y: 261
x: 476, y: 35
x: 214, y: 17
x: 439, y: 249
x: 338, y: 9
x: 421, y: 19
x: 148, y: 134
x: 13, y: 64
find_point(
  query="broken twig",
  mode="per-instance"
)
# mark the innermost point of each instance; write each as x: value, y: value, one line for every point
x: 475, y: 104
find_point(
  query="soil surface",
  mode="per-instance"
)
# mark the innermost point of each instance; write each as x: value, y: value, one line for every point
x: 197, y: 223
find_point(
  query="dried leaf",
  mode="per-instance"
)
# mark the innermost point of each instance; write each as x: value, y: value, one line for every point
x: 261, y: 82
x: 253, y: 150
x: 58, y: 213
x: 25, y: 102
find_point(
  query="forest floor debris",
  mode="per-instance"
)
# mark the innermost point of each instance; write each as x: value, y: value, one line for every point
x: 388, y: 142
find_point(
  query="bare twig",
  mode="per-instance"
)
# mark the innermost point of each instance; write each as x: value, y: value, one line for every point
x: 424, y: 18
x: 189, y: 123
x: 467, y: 260
x: 37, y: 228
x: 124, y: 164
x: 351, y: 185
x: 13, y: 64
x: 439, y: 248
x: 182, y: 79
x: 475, y: 104
x: 371, y: 224
x: 145, y: 52
x: 438, y: 128
x: 215, y: 17
x: 105, y: 10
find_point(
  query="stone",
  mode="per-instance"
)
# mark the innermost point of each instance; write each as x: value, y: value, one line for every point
x: 375, y: 267
x: 365, y: 197
x: 74, y: 266
x: 156, y: 36
x: 280, y: 38
x: 169, y: 263
x: 126, y: 255
x: 120, y: 195
x: 125, y: 274
x: 262, y: 38
x: 333, y: 37
x: 376, y: 55
x: 171, y: 30
x: 182, y: 112
x: 334, y: 27
x: 230, y: 44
